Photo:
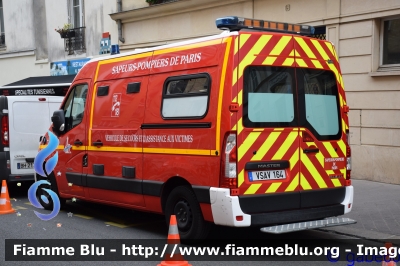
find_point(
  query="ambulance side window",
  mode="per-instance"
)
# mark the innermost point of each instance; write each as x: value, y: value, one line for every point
x: 74, y: 106
x: 186, y: 97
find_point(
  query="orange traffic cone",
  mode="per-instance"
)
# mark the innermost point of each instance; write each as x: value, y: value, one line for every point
x: 5, y: 205
x: 176, y: 259
x: 386, y: 261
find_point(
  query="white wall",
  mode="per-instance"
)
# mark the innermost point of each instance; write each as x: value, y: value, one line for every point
x: 30, y: 49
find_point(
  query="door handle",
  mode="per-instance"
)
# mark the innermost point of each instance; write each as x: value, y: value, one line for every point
x: 97, y: 143
x: 78, y: 142
x: 312, y: 150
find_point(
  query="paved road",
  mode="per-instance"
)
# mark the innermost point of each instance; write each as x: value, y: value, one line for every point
x: 376, y: 209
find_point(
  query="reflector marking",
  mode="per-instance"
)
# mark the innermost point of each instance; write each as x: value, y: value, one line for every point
x: 288, y: 62
x: 330, y: 149
x: 320, y: 50
x: 240, y: 178
x: 313, y: 171
x: 291, y: 53
x: 304, y: 183
x: 326, y: 57
x: 286, y: 145
x: 269, y: 60
x: 330, y: 47
x: 239, y: 126
x: 293, y: 160
x: 336, y: 182
x: 234, y: 78
x: 252, y: 54
x: 176, y: 151
x: 116, y: 149
x: 243, y: 39
x: 266, y: 146
x: 274, y: 187
x: 342, y: 147
x: 247, y: 144
x: 317, y: 64
x: 294, y: 184
x: 252, y: 189
x: 280, y: 45
x: 301, y: 62
x: 240, y: 97
x: 305, y: 47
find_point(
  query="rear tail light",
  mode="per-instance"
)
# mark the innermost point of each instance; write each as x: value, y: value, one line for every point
x: 228, y: 167
x: 348, y: 157
x: 4, y: 130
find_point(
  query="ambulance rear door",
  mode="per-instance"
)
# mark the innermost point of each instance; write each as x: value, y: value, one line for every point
x: 267, y: 130
x: 322, y: 131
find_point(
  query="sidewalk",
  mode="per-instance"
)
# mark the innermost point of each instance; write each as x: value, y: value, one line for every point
x: 376, y: 209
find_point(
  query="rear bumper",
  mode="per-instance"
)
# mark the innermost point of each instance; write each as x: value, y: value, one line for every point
x: 227, y: 210
x: 5, y: 173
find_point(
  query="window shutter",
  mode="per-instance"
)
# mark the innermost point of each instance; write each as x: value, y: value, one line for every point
x: 83, y: 13
x: 69, y: 8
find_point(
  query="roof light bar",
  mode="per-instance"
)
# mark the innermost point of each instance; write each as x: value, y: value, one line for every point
x: 237, y: 23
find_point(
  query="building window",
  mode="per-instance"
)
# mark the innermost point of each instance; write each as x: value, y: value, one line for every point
x: 75, y: 43
x: 2, y: 36
x: 390, y: 42
x: 76, y: 18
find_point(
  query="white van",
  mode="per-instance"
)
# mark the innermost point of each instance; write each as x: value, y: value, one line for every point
x: 25, y: 111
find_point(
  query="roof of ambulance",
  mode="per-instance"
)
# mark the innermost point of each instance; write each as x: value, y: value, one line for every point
x: 181, y: 43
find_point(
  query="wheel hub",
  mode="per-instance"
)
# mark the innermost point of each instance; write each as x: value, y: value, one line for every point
x: 183, y: 215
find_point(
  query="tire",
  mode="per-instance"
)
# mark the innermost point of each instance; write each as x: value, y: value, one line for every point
x: 183, y: 203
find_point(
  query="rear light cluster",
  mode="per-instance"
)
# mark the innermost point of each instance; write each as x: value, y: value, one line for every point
x: 228, y: 167
x: 4, y: 130
x: 348, y: 160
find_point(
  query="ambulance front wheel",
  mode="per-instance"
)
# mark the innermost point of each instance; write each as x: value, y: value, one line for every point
x: 182, y: 203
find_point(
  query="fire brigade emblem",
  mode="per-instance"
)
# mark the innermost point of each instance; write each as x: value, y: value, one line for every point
x: 116, y: 105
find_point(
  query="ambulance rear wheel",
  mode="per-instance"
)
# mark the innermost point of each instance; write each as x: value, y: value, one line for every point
x: 182, y: 203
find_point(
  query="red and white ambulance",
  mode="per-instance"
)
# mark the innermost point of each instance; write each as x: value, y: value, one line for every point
x: 245, y: 128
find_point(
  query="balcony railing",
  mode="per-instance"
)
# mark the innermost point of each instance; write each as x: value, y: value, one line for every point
x: 2, y: 40
x: 75, y: 40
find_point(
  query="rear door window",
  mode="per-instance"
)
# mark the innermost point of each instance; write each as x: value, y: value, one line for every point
x: 272, y: 94
x: 269, y: 97
x: 319, y: 103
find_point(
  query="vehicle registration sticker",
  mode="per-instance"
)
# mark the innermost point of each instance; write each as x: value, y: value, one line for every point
x: 24, y: 165
x: 267, y: 175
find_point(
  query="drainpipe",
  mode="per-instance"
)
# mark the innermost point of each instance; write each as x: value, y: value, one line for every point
x: 119, y: 9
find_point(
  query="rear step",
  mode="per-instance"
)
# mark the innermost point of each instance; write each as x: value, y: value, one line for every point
x: 286, y: 228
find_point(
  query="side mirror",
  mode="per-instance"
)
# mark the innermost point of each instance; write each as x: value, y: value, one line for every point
x: 58, y: 120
